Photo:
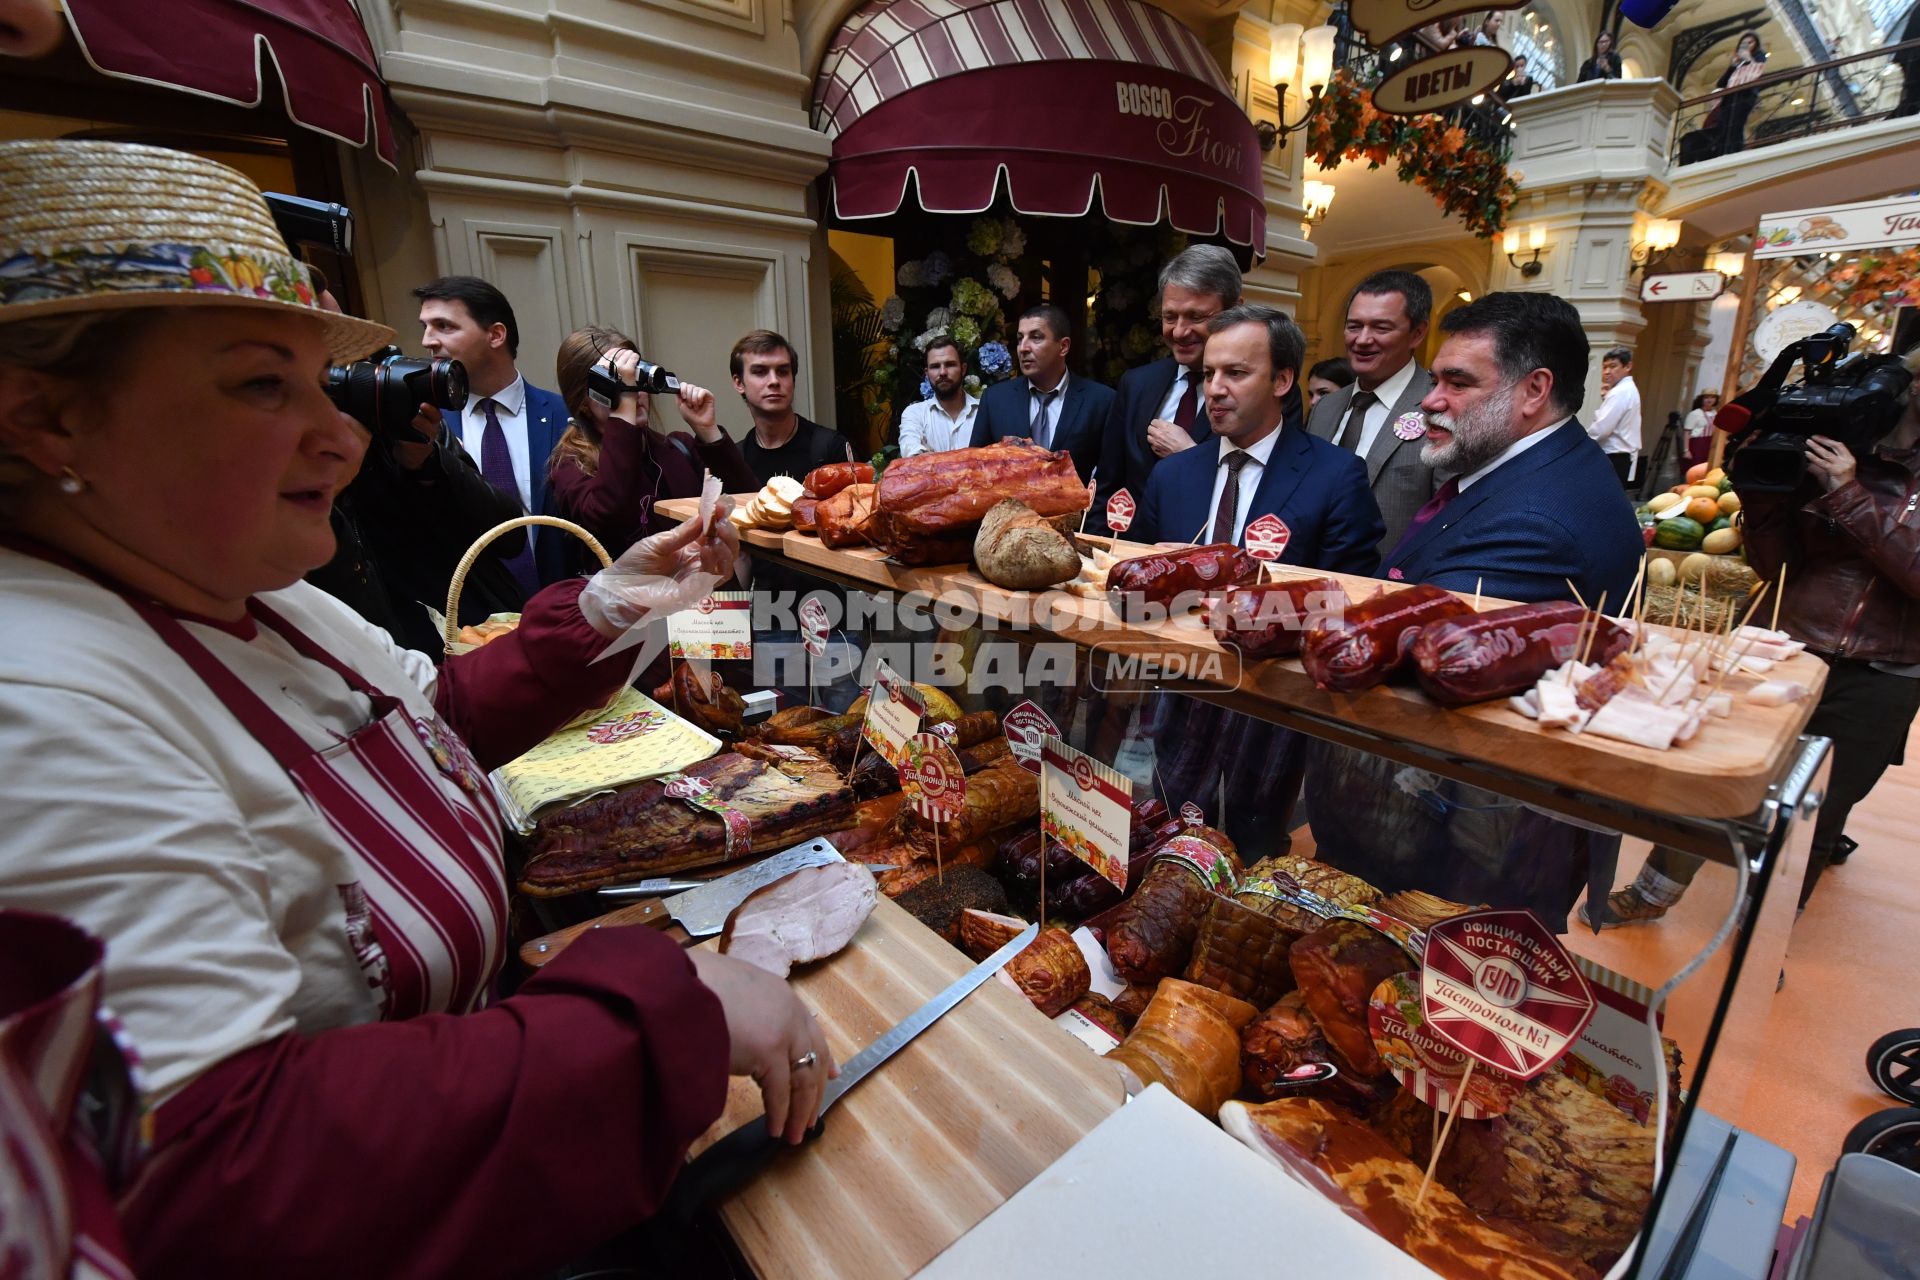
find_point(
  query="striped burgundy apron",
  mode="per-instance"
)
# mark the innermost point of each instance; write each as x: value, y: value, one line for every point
x: 404, y: 795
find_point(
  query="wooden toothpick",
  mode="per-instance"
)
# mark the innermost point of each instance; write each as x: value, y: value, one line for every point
x: 1599, y: 616
x: 1459, y: 1100
x: 1476, y: 593
x: 1577, y: 597
x: 1778, y: 596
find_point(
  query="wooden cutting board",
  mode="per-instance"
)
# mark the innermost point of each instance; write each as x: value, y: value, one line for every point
x: 681, y: 508
x: 1723, y: 773
x: 937, y: 1138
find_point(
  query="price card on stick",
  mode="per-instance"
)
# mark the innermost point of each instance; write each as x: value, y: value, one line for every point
x: 894, y: 710
x: 813, y: 638
x: 1085, y: 806
x: 1120, y: 511
x: 1499, y: 987
x: 718, y: 628
x: 933, y: 781
x: 1026, y: 727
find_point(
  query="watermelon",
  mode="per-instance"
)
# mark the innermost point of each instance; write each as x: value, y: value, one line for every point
x: 1722, y: 523
x: 1682, y: 533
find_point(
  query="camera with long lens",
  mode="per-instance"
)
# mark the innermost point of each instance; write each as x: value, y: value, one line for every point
x: 1853, y: 398
x: 384, y: 391
x: 648, y: 379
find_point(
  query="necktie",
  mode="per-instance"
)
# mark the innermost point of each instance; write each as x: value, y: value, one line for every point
x: 1227, y: 515
x: 1356, y: 427
x: 1042, y: 428
x: 1188, y: 409
x: 1448, y: 492
x: 496, y: 464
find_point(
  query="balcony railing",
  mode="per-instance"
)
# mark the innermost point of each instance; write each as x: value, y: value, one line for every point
x: 1799, y: 103
x: 1486, y: 121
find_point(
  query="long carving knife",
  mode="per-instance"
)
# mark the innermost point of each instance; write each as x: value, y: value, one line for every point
x: 734, y: 1160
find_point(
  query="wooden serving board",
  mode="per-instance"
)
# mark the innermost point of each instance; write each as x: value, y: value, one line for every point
x: 937, y: 1138
x: 682, y: 508
x: 1723, y: 772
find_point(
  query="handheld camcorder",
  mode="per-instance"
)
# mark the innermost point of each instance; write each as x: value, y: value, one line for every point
x: 383, y: 392
x: 1853, y: 398
x: 648, y: 379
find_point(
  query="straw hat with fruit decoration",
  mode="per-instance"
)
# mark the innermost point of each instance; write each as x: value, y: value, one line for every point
x: 97, y: 226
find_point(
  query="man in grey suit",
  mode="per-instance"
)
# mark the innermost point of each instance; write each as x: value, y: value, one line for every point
x: 1379, y: 417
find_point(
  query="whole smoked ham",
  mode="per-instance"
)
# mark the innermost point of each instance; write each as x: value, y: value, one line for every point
x: 704, y: 699
x: 1051, y: 972
x: 1281, y: 1039
x: 1189, y: 1040
x: 1321, y: 879
x: 641, y: 831
x: 948, y: 494
x: 1357, y: 1167
x: 1337, y: 966
x: 846, y: 519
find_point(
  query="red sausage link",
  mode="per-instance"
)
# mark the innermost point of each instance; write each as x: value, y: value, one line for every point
x: 824, y: 482
x: 1373, y: 640
x: 1270, y: 619
x: 1161, y: 578
x: 1506, y: 651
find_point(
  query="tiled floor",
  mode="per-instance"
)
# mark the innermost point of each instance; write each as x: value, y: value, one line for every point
x: 1849, y: 979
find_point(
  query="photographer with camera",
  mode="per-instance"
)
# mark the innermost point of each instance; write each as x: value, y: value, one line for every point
x: 613, y: 463
x: 417, y: 503
x: 1842, y: 517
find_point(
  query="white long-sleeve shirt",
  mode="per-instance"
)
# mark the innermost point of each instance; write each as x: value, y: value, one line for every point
x: 926, y: 428
x: 1616, y: 425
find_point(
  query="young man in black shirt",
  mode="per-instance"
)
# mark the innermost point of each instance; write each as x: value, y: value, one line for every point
x: 782, y: 443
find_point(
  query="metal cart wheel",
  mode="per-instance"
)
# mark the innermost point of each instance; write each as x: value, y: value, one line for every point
x: 1894, y: 1065
x: 1892, y: 1135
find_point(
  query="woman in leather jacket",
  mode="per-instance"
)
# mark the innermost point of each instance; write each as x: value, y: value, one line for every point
x: 1849, y: 540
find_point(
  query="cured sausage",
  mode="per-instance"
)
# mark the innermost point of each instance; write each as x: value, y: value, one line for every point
x: 1135, y: 587
x: 824, y: 482
x: 1505, y: 651
x: 1051, y: 972
x: 1270, y: 619
x: 1372, y: 641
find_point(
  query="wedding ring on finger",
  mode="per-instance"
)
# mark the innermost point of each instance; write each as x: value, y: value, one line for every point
x: 805, y: 1060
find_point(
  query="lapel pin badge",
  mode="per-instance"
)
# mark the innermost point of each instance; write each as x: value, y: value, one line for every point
x: 1410, y: 426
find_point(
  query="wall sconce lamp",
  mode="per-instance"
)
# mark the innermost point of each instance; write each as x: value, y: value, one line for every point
x: 1296, y: 52
x: 1536, y: 241
x: 1728, y: 262
x: 1661, y: 236
x: 1316, y: 199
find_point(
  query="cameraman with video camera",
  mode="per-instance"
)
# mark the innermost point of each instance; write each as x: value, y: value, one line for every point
x: 1843, y: 520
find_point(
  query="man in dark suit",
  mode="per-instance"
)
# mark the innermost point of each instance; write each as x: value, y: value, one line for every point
x: 508, y: 424
x: 1245, y: 773
x: 1379, y: 416
x: 1534, y: 504
x: 1157, y: 410
x: 1045, y: 403
x: 1258, y: 467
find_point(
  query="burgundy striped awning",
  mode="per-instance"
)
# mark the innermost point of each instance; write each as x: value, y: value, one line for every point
x: 217, y: 48
x: 1062, y: 101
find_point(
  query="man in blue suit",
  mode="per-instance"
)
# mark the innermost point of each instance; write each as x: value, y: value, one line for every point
x: 1256, y: 466
x: 1245, y: 773
x: 508, y: 424
x: 1531, y: 507
x: 1535, y: 505
x: 1046, y: 404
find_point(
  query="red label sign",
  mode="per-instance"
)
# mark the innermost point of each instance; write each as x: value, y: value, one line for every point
x: 1499, y: 987
x: 1191, y: 814
x: 813, y: 626
x: 1267, y: 537
x: 1120, y: 511
x: 1430, y: 1068
x: 932, y: 777
x: 1026, y: 726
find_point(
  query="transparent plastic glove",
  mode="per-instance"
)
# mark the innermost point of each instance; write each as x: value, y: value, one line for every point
x: 660, y: 575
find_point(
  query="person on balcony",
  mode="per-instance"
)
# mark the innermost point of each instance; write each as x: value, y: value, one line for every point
x: 1487, y: 34
x: 1519, y: 82
x: 1728, y: 119
x: 1604, y: 64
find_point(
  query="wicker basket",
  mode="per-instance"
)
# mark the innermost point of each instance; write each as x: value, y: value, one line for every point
x: 486, y: 539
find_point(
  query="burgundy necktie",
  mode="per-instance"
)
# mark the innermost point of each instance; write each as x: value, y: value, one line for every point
x: 1227, y: 515
x: 496, y: 464
x: 1188, y: 409
x: 1433, y: 506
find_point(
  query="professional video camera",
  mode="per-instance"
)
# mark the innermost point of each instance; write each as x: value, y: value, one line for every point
x: 1854, y: 399
x: 648, y: 379
x: 383, y: 392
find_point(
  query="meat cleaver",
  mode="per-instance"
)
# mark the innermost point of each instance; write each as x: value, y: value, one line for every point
x: 701, y: 911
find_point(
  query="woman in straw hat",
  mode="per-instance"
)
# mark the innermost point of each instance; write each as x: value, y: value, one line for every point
x: 278, y: 821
